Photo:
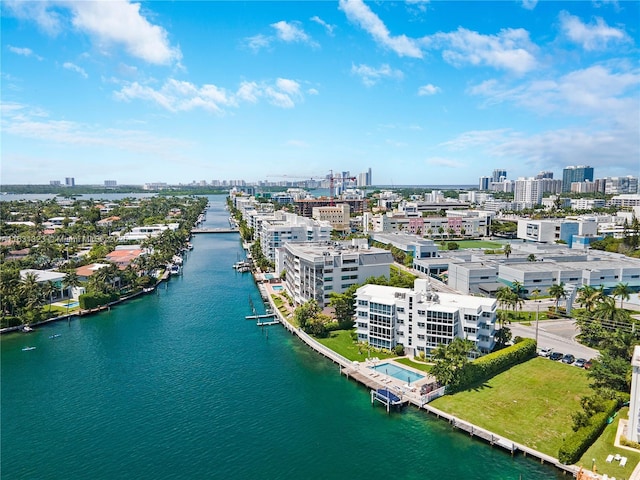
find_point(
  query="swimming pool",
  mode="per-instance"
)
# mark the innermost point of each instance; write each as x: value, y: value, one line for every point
x: 71, y: 304
x: 277, y: 288
x: 398, y: 372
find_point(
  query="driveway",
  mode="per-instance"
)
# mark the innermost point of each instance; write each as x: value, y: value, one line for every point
x: 557, y: 334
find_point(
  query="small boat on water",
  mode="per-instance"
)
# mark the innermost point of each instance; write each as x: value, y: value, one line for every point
x: 26, y: 349
x: 55, y: 335
x: 27, y: 329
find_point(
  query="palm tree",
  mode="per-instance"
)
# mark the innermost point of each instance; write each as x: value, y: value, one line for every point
x: 607, y: 310
x: 589, y: 297
x: 517, y: 288
x: 623, y: 291
x: 507, y: 250
x: 531, y: 258
x: 557, y: 291
x: 48, y: 289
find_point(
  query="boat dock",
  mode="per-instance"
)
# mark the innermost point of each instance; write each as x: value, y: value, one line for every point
x: 261, y: 317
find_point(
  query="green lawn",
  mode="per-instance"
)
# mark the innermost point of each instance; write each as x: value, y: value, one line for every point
x: 605, y: 446
x: 424, y: 367
x: 530, y: 403
x: 340, y: 342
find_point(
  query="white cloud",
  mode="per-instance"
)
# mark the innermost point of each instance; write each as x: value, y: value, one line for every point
x: 24, y: 51
x: 475, y: 138
x: 420, y: 5
x: 258, y: 42
x: 370, y: 75
x: 597, y: 91
x: 359, y: 13
x: 297, y: 143
x: 428, y: 89
x: 42, y: 13
x: 445, y: 162
x: 75, y: 68
x: 290, y: 32
x: 120, y: 22
x: 510, y: 49
x: 33, y: 123
x: 178, y: 96
x: 529, y: 4
x: 595, y: 36
x: 327, y: 26
x: 313, y: 91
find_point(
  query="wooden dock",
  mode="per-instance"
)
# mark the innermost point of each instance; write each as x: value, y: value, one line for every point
x: 261, y: 317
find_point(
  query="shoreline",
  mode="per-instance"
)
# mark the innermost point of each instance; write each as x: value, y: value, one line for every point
x: 350, y: 371
x: 83, y: 313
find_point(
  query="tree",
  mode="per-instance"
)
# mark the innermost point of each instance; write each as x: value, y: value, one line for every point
x: 589, y: 297
x: 606, y: 310
x: 507, y: 250
x: 612, y: 372
x: 623, y: 291
x: 450, y: 360
x: 305, y: 312
x: 531, y: 258
x: 48, y: 289
x: 344, y: 304
x: 557, y: 291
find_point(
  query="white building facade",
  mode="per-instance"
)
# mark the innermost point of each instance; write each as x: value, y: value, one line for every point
x: 285, y: 228
x: 421, y: 319
x: 315, y: 270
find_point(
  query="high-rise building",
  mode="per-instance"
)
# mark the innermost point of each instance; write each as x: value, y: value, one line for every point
x: 544, y: 174
x: 499, y: 175
x: 364, y: 179
x: 621, y: 185
x: 527, y: 192
x: 110, y: 183
x: 70, y: 182
x: 484, y: 183
x: 575, y: 174
x: 54, y: 183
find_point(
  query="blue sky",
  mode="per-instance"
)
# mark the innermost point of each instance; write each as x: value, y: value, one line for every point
x: 422, y: 92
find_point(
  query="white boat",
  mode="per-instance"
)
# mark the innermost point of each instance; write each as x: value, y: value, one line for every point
x: 27, y: 329
x: 26, y: 349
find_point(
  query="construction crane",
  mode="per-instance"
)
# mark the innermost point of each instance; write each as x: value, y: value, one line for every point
x: 331, y: 177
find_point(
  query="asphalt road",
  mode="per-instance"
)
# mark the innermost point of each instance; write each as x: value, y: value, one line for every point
x: 557, y: 334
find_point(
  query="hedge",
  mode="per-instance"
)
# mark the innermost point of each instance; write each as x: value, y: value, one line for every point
x: 92, y: 300
x: 575, y: 445
x: 490, y: 365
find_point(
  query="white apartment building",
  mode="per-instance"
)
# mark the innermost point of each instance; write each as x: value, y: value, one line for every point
x: 633, y: 427
x: 286, y: 227
x: 421, y: 319
x: 527, y: 192
x: 338, y: 216
x: 315, y: 270
x: 621, y: 185
x: 626, y: 200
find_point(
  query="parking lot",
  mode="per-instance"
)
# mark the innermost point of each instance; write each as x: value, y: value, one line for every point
x: 558, y: 335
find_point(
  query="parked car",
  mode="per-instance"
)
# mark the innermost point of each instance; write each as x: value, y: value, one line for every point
x: 587, y: 364
x: 568, y: 359
x: 580, y: 362
x: 545, y: 352
x: 555, y: 356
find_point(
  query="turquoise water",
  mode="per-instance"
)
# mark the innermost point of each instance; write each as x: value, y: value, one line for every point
x: 398, y: 372
x: 277, y: 287
x: 178, y: 385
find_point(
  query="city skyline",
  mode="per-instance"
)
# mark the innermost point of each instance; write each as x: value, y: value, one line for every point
x: 429, y: 93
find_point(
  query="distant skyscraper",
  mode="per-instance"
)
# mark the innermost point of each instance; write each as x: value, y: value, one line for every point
x: 110, y: 183
x: 364, y: 179
x: 528, y: 192
x: 575, y: 174
x: 70, y: 182
x: 484, y: 183
x: 544, y: 174
x: 498, y: 175
x: 54, y: 183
